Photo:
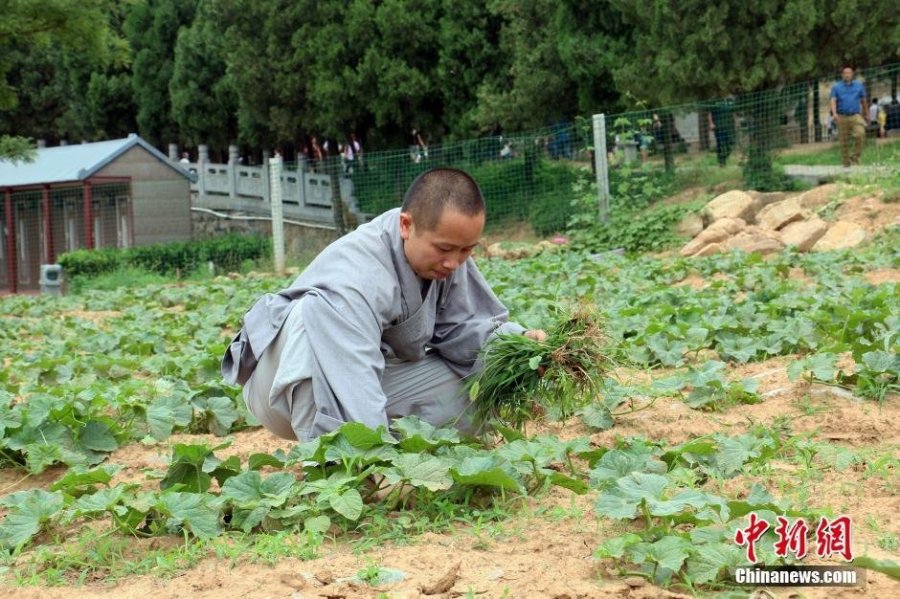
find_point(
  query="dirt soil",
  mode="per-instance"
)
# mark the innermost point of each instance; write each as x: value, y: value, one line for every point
x: 869, y: 212
x: 545, y: 550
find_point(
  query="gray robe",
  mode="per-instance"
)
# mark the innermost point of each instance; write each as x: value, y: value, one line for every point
x: 363, y: 304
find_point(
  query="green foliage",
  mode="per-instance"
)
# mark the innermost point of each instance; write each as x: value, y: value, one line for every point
x: 652, y: 323
x: 521, y: 376
x: 77, y: 387
x: 685, y: 52
x: 557, y: 60
x: 528, y: 188
x: 340, y: 469
x: 634, y: 224
x: 16, y: 149
x: 83, y: 28
x: 204, y: 103
x: 152, y: 31
x: 675, y: 43
x: 226, y: 252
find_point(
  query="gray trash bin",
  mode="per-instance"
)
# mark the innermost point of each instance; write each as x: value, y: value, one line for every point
x: 51, y: 279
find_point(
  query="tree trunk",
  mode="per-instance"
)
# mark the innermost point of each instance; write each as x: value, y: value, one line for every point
x: 817, y: 113
x: 759, y: 172
x: 337, y: 204
x: 703, y: 116
x: 668, y: 126
x: 803, y: 116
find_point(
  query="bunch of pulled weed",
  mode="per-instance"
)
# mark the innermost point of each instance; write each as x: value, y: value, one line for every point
x: 523, y: 378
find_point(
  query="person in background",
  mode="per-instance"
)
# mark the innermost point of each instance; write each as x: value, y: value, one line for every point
x: 357, y: 149
x: 315, y: 153
x: 848, y: 107
x: 721, y: 122
x: 417, y: 148
x: 348, y: 157
x: 882, y: 121
x: 874, y: 111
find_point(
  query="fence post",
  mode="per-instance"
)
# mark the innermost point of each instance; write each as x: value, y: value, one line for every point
x: 266, y: 182
x: 602, y: 167
x: 277, y: 212
x: 202, y: 161
x: 233, y: 157
x: 302, y: 172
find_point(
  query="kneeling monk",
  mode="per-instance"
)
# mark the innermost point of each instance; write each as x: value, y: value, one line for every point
x: 384, y: 323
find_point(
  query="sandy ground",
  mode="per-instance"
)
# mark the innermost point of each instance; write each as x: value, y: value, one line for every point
x: 546, y: 549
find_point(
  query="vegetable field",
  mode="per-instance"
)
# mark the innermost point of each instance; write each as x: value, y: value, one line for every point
x: 741, y: 386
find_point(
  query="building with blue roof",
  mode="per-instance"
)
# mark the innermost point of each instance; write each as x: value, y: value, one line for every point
x: 116, y: 193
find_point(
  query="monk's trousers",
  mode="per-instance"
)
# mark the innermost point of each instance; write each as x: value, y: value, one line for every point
x: 279, y: 392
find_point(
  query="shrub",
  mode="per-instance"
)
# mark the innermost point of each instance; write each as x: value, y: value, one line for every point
x: 528, y: 188
x: 227, y: 252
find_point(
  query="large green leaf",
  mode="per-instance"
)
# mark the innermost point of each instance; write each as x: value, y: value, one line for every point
x: 420, y: 470
x: 249, y: 489
x: 710, y: 559
x: 28, y: 512
x: 484, y: 471
x: 195, y: 512
x: 888, y: 567
x: 348, y: 503
x: 165, y: 413
x: 417, y: 435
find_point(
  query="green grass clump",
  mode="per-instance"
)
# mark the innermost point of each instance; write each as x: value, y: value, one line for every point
x: 523, y: 378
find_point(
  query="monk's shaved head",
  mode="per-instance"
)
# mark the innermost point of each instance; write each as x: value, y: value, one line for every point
x: 438, y: 189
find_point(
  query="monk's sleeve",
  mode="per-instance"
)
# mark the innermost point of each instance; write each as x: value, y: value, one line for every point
x: 345, y: 334
x: 467, y: 319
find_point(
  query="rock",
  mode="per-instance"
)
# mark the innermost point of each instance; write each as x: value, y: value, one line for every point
x: 764, y: 198
x: 803, y: 234
x: 818, y: 197
x: 732, y: 204
x: 840, y: 235
x: 775, y: 216
x: 690, y: 226
x: 635, y: 582
x: 292, y: 580
x: 755, y: 239
x: 709, y: 250
x: 716, y: 232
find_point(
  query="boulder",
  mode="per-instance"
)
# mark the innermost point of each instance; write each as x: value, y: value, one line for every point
x: 716, y: 232
x: 840, y: 235
x: 818, y: 197
x: 803, y: 234
x: 755, y: 239
x: 764, y: 198
x: 709, y: 250
x: 775, y: 216
x: 732, y: 204
x: 690, y: 226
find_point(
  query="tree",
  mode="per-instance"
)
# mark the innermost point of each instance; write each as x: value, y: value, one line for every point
x: 692, y: 50
x: 204, y: 103
x: 152, y: 28
x: 30, y: 26
x: 558, y: 60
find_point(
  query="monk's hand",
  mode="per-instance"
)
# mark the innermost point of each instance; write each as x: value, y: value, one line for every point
x: 536, y: 334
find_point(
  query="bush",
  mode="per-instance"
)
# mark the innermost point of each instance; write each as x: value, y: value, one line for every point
x: 227, y: 253
x: 91, y: 262
x: 528, y: 188
x: 634, y: 224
